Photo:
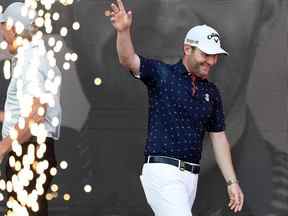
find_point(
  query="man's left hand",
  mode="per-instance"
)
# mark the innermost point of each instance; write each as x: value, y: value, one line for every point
x: 236, y: 197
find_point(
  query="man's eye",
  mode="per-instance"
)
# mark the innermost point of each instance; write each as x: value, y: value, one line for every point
x: 204, y: 55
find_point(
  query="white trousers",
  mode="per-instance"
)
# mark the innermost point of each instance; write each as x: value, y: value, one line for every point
x: 169, y: 191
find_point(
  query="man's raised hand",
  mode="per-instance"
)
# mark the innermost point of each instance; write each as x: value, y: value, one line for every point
x: 120, y: 19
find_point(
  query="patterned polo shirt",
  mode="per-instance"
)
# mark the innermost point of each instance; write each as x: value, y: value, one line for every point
x: 178, y: 119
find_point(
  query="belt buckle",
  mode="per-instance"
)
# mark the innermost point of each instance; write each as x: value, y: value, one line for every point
x: 182, y: 165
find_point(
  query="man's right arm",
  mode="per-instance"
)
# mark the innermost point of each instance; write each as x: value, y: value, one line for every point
x: 127, y: 56
x: 122, y: 21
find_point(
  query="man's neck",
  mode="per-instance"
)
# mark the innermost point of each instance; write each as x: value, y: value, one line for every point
x: 190, y: 72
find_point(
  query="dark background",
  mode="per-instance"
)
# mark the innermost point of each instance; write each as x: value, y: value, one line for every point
x: 104, y: 127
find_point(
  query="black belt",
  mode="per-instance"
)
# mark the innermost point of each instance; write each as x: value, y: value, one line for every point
x: 182, y: 165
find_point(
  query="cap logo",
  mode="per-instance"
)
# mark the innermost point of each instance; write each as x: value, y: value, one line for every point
x: 192, y: 41
x: 207, y: 97
x: 214, y: 36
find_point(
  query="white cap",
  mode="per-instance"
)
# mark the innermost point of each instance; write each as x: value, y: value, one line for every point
x: 19, y: 12
x: 205, y: 38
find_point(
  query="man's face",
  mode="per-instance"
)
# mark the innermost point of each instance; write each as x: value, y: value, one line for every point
x: 200, y: 63
x: 8, y: 35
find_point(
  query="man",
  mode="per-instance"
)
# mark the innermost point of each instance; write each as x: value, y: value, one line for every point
x: 32, y: 114
x: 182, y: 105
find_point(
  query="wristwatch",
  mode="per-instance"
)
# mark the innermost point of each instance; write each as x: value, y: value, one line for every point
x: 232, y: 181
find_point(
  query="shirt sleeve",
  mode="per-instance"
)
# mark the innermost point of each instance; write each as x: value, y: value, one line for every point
x: 216, y: 122
x: 150, y: 71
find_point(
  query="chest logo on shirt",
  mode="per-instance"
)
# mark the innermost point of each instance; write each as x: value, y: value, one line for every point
x: 207, y: 97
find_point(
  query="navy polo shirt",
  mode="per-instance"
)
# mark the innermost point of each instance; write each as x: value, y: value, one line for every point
x: 177, y: 119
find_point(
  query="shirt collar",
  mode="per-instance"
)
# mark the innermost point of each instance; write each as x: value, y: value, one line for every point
x: 185, y: 72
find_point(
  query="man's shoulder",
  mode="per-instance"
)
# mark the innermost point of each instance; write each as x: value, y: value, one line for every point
x: 151, y: 60
x: 155, y: 63
x: 213, y: 87
x: 211, y: 84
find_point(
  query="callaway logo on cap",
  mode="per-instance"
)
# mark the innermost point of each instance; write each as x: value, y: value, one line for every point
x: 205, y: 38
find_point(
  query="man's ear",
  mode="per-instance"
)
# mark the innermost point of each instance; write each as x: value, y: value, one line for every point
x: 187, y: 49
